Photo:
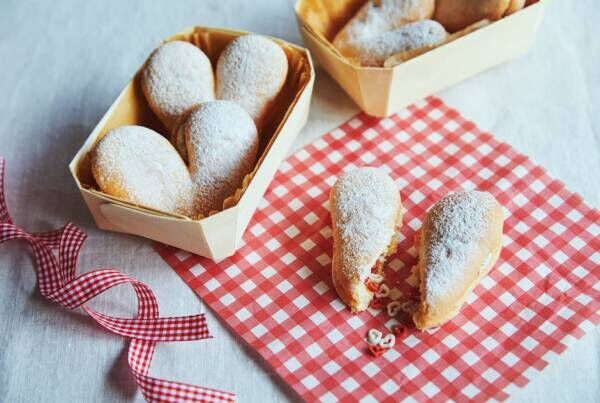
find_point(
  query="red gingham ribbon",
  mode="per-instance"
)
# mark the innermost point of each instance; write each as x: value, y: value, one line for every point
x: 57, y: 281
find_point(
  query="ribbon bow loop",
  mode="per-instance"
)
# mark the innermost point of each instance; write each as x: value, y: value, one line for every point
x: 56, y: 254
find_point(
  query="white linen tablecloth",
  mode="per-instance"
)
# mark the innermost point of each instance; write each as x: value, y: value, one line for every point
x: 63, y: 62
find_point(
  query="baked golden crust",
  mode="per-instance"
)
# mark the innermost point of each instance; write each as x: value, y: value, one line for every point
x: 139, y: 165
x: 455, y: 15
x: 481, y: 252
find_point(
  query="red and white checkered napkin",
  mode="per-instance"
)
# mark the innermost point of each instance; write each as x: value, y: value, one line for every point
x: 276, y: 292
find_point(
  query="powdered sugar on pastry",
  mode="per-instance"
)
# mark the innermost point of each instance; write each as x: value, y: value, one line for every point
x: 222, y: 145
x: 453, y: 231
x: 177, y: 76
x: 251, y: 71
x: 378, y: 16
x: 375, y: 50
x: 366, y: 203
x: 141, y: 166
x: 370, y: 37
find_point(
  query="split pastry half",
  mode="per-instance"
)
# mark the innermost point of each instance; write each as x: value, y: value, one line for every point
x: 366, y: 213
x: 459, y: 242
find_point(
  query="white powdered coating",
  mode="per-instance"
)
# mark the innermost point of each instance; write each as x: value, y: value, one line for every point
x: 222, y: 144
x: 366, y: 203
x: 385, y: 15
x: 251, y: 71
x: 373, y: 51
x: 177, y: 76
x: 378, y: 19
x: 140, y: 165
x: 453, y: 231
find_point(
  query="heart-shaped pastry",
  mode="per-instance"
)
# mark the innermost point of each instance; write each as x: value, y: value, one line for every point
x: 139, y: 165
x: 366, y: 212
x: 460, y: 241
x: 222, y: 144
x: 176, y: 77
x: 251, y: 71
x: 455, y: 15
x: 378, y: 30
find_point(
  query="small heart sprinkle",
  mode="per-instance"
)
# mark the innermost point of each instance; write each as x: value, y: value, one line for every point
x: 393, y: 308
x: 376, y: 278
x: 400, y: 331
x: 374, y: 336
x: 383, y: 291
x: 409, y: 307
x: 377, y: 350
x: 388, y: 341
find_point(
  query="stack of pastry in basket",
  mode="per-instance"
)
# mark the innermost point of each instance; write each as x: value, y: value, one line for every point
x: 213, y: 121
x: 389, y: 32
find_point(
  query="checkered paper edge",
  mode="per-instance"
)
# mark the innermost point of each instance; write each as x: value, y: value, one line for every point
x: 275, y: 292
x: 58, y: 281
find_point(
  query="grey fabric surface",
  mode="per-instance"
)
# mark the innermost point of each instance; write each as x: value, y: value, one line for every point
x: 63, y: 62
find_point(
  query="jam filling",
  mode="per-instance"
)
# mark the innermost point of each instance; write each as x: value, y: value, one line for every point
x: 371, y: 285
x: 378, y: 267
